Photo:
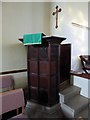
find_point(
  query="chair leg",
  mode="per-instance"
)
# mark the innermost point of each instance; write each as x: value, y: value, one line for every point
x: 22, y: 109
x: 85, y: 70
x: 17, y: 110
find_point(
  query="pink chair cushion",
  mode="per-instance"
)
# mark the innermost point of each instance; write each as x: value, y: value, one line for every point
x: 12, y: 100
x: 6, y: 83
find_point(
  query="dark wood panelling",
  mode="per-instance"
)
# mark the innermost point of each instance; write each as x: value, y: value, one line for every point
x: 33, y: 65
x: 34, y: 80
x: 43, y: 82
x: 34, y: 93
x: 48, y: 66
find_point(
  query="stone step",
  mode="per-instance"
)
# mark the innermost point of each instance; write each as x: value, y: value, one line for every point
x: 85, y: 113
x: 68, y: 93
x: 74, y: 106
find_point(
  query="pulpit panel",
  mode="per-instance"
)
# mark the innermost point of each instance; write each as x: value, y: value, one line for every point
x: 43, y: 82
x: 33, y: 65
x: 34, y: 80
x: 48, y: 66
x: 34, y: 94
x: 43, y: 52
x: 32, y: 52
x: 44, y: 67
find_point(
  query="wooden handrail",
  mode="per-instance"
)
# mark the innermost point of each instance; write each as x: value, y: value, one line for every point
x: 13, y: 71
x: 83, y: 75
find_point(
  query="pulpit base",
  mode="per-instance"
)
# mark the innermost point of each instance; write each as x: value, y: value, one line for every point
x: 34, y: 110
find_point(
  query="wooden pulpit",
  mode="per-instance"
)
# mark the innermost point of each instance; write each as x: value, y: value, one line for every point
x: 48, y: 66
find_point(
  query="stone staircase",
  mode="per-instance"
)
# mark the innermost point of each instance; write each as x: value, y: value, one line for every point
x: 73, y: 104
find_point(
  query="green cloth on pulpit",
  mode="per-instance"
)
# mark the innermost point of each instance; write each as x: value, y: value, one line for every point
x: 31, y: 39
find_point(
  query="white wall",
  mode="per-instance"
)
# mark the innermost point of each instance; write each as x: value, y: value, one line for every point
x: 19, y: 18
x: 78, y: 37
x: 0, y: 36
x: 84, y: 84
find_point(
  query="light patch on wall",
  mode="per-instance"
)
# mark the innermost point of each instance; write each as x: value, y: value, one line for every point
x: 76, y: 63
x: 60, y: 23
x: 61, y: 18
x: 80, y: 15
x: 69, y: 10
x: 20, y: 80
x: 82, y: 51
x: 81, y: 18
x: 80, y: 35
x: 80, y: 45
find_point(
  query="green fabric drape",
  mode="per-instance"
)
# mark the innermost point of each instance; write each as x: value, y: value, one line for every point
x: 31, y: 39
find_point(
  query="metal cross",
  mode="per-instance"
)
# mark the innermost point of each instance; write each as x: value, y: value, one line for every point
x: 56, y: 12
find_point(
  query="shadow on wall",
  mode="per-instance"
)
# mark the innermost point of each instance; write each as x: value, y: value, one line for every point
x: 76, y: 65
x: 20, y: 80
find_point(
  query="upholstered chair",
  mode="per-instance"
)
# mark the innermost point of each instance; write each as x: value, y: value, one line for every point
x: 85, y: 61
x: 6, y: 83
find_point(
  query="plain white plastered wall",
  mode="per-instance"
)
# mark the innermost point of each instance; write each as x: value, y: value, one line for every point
x: 76, y: 12
x: 19, y: 18
x: 84, y: 84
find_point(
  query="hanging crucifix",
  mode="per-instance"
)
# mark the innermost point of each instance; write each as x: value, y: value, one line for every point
x: 56, y: 12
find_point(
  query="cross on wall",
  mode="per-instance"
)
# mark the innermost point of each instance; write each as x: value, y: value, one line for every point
x: 56, y: 12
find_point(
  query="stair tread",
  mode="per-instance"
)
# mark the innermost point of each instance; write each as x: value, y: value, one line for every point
x: 69, y: 90
x: 84, y: 113
x: 77, y: 102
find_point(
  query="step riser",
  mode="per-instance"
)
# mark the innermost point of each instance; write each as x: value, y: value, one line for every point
x: 63, y: 98
x: 72, y: 110
x: 69, y: 113
x: 84, y: 113
x: 68, y: 93
x: 72, y: 103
